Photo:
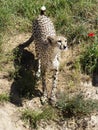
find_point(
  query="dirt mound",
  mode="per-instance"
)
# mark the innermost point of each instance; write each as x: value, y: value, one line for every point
x: 9, y: 118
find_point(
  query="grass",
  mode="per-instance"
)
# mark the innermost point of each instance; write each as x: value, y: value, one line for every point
x: 5, y: 59
x: 89, y: 57
x: 72, y: 12
x: 4, y: 97
x: 34, y: 117
x: 76, y: 106
x: 66, y: 108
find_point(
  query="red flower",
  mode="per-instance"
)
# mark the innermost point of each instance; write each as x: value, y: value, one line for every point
x: 91, y: 34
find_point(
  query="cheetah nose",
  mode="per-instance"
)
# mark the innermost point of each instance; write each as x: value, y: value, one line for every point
x: 65, y: 47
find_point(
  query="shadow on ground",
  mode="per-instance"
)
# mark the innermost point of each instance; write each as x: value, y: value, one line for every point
x: 95, y: 76
x: 24, y: 85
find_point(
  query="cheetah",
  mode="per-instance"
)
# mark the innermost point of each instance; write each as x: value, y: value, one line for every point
x: 48, y: 48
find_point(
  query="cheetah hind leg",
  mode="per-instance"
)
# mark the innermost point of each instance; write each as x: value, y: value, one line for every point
x: 44, y: 98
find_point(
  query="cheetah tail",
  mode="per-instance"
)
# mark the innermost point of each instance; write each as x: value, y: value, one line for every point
x: 27, y: 43
x: 43, y: 10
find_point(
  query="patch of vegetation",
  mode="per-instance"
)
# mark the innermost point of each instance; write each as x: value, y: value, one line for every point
x: 76, y: 106
x: 89, y: 57
x: 4, y: 97
x: 34, y: 117
x: 66, y: 107
x: 5, y: 59
x: 65, y: 14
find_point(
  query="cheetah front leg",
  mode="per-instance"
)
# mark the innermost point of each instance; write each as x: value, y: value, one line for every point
x: 38, y: 74
x: 53, y: 97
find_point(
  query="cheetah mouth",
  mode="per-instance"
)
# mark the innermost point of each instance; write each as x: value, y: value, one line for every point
x: 63, y: 47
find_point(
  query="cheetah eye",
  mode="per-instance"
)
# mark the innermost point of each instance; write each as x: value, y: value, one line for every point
x: 59, y: 41
x: 65, y: 40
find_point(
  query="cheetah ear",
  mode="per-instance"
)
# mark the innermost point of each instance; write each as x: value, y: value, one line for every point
x: 50, y: 39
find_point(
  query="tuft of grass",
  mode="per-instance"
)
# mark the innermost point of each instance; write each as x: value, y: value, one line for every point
x: 4, y: 97
x: 89, y: 57
x: 76, y: 106
x: 34, y: 117
x: 4, y: 16
x: 66, y: 107
x: 5, y: 59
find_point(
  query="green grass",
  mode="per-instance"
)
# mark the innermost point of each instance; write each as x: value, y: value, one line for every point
x: 18, y: 15
x: 34, y: 117
x: 74, y: 18
x: 4, y: 97
x: 89, y: 57
x: 66, y: 108
x: 64, y: 13
x: 76, y: 106
x: 5, y: 58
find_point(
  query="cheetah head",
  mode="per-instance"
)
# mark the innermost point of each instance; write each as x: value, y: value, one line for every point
x: 59, y: 41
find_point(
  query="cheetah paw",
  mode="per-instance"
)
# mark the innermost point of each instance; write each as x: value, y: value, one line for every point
x: 38, y: 74
x: 53, y: 101
x: 44, y: 100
